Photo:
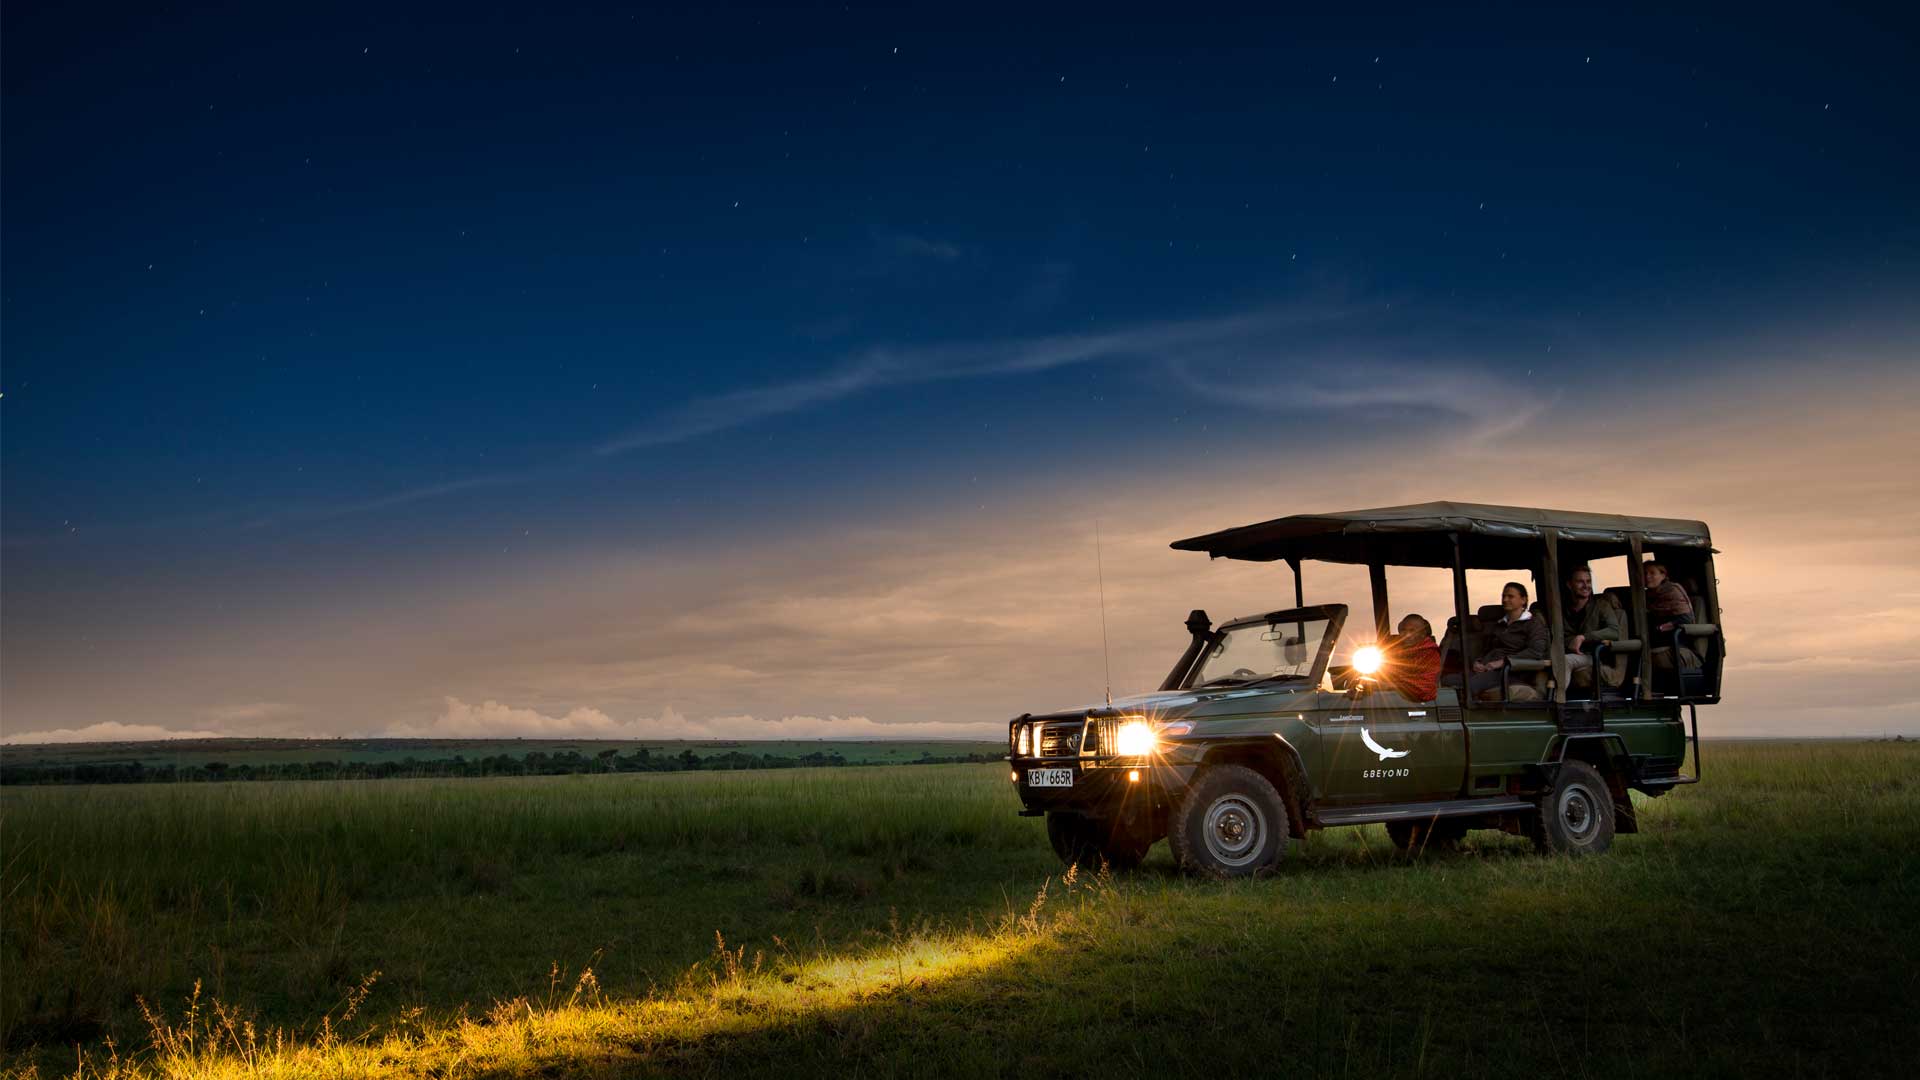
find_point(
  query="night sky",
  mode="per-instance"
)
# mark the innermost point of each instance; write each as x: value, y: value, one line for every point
x: 766, y: 371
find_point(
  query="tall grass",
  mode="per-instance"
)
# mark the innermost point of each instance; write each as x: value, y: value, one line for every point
x: 113, y: 890
x: 161, y: 845
x: 1793, y: 872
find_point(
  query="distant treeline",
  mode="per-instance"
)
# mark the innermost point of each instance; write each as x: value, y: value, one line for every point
x: 534, y: 764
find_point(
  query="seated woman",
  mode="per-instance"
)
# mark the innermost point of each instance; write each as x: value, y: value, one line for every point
x: 1667, y: 602
x: 1518, y: 635
x: 1668, y: 607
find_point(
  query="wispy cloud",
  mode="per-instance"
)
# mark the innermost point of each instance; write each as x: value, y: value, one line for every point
x: 878, y: 368
x: 1323, y: 356
x: 914, y: 246
x: 1492, y: 406
x: 1271, y: 359
x: 347, y: 508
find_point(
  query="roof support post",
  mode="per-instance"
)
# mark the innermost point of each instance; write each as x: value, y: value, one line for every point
x: 1377, y: 574
x: 1460, y: 617
x: 1637, y: 583
x: 1299, y: 590
x: 1710, y: 595
x: 1556, y: 628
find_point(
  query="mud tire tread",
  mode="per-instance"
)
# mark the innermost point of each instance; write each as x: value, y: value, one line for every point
x: 1544, y: 827
x: 1206, y: 787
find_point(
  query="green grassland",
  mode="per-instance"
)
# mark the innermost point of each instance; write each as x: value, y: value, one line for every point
x: 855, y: 922
x: 185, y: 752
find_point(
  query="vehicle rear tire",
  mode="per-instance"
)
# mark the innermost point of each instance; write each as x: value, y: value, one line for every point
x: 1435, y: 835
x: 1231, y: 822
x: 1088, y: 843
x: 1576, y: 814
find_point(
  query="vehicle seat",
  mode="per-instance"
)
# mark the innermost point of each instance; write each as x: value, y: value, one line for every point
x: 1450, y: 648
x: 1623, y: 595
x: 1697, y: 640
x: 1623, y: 656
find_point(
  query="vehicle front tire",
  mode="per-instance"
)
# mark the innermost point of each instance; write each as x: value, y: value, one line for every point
x: 1089, y: 842
x: 1576, y: 815
x: 1231, y: 822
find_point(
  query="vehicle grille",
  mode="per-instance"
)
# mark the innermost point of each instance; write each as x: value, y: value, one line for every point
x: 1100, y: 736
x: 1060, y: 740
x: 1080, y: 738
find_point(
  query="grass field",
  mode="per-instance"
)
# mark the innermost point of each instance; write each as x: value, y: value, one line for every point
x: 890, y: 922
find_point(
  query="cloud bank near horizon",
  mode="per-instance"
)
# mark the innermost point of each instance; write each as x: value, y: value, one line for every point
x: 105, y: 731
x: 492, y: 719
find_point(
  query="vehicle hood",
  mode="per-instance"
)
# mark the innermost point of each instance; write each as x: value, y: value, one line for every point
x: 1172, y: 704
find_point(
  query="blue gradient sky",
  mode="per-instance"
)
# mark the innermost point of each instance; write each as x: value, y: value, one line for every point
x: 362, y: 366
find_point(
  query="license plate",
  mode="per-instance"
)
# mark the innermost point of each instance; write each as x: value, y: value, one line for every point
x: 1049, y: 777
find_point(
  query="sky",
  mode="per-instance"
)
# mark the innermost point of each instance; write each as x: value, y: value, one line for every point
x: 734, y: 372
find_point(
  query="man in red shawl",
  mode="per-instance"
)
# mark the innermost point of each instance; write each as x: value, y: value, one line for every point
x: 1413, y: 661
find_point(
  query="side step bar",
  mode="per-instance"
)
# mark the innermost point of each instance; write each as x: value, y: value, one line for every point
x: 1421, y: 811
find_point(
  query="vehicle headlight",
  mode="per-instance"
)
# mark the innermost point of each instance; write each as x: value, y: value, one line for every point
x: 1134, y: 739
x: 1025, y: 745
x: 1366, y: 661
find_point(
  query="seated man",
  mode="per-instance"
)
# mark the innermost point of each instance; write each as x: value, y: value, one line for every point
x: 1517, y: 636
x: 1590, y: 618
x: 1413, y: 661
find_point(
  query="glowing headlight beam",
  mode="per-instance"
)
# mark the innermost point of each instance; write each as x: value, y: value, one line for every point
x: 1134, y: 739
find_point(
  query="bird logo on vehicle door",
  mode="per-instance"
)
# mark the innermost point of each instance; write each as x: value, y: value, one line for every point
x: 1384, y: 752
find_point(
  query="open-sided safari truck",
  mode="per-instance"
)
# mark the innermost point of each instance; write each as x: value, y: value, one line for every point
x: 1290, y: 720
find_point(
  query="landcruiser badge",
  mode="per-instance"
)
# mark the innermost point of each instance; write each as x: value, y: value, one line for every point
x: 1378, y: 749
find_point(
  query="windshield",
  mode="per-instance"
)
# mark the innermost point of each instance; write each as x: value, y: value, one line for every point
x: 1263, y: 652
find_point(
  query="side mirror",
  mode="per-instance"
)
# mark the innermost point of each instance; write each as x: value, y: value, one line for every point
x: 1294, y: 650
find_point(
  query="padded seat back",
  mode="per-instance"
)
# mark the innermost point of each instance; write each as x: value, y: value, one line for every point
x: 1625, y: 665
x: 1450, y: 647
x: 1623, y: 595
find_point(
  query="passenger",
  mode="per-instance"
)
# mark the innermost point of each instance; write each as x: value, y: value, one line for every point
x: 1667, y: 607
x: 1590, y: 618
x: 1667, y: 602
x: 1413, y: 661
x: 1517, y: 636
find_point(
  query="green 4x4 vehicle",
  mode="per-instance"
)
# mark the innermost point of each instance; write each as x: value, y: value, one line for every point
x: 1290, y: 720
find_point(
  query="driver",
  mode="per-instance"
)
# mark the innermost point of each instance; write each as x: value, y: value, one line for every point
x: 1413, y: 661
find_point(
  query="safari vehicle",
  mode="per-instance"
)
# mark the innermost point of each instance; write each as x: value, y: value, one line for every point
x: 1281, y: 722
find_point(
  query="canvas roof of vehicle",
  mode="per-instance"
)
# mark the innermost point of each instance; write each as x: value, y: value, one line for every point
x: 1418, y: 534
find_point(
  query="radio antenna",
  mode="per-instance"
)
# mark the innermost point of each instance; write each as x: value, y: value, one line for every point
x: 1100, y: 574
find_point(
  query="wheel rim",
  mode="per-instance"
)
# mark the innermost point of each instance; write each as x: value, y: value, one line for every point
x: 1578, y: 815
x: 1235, y: 830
